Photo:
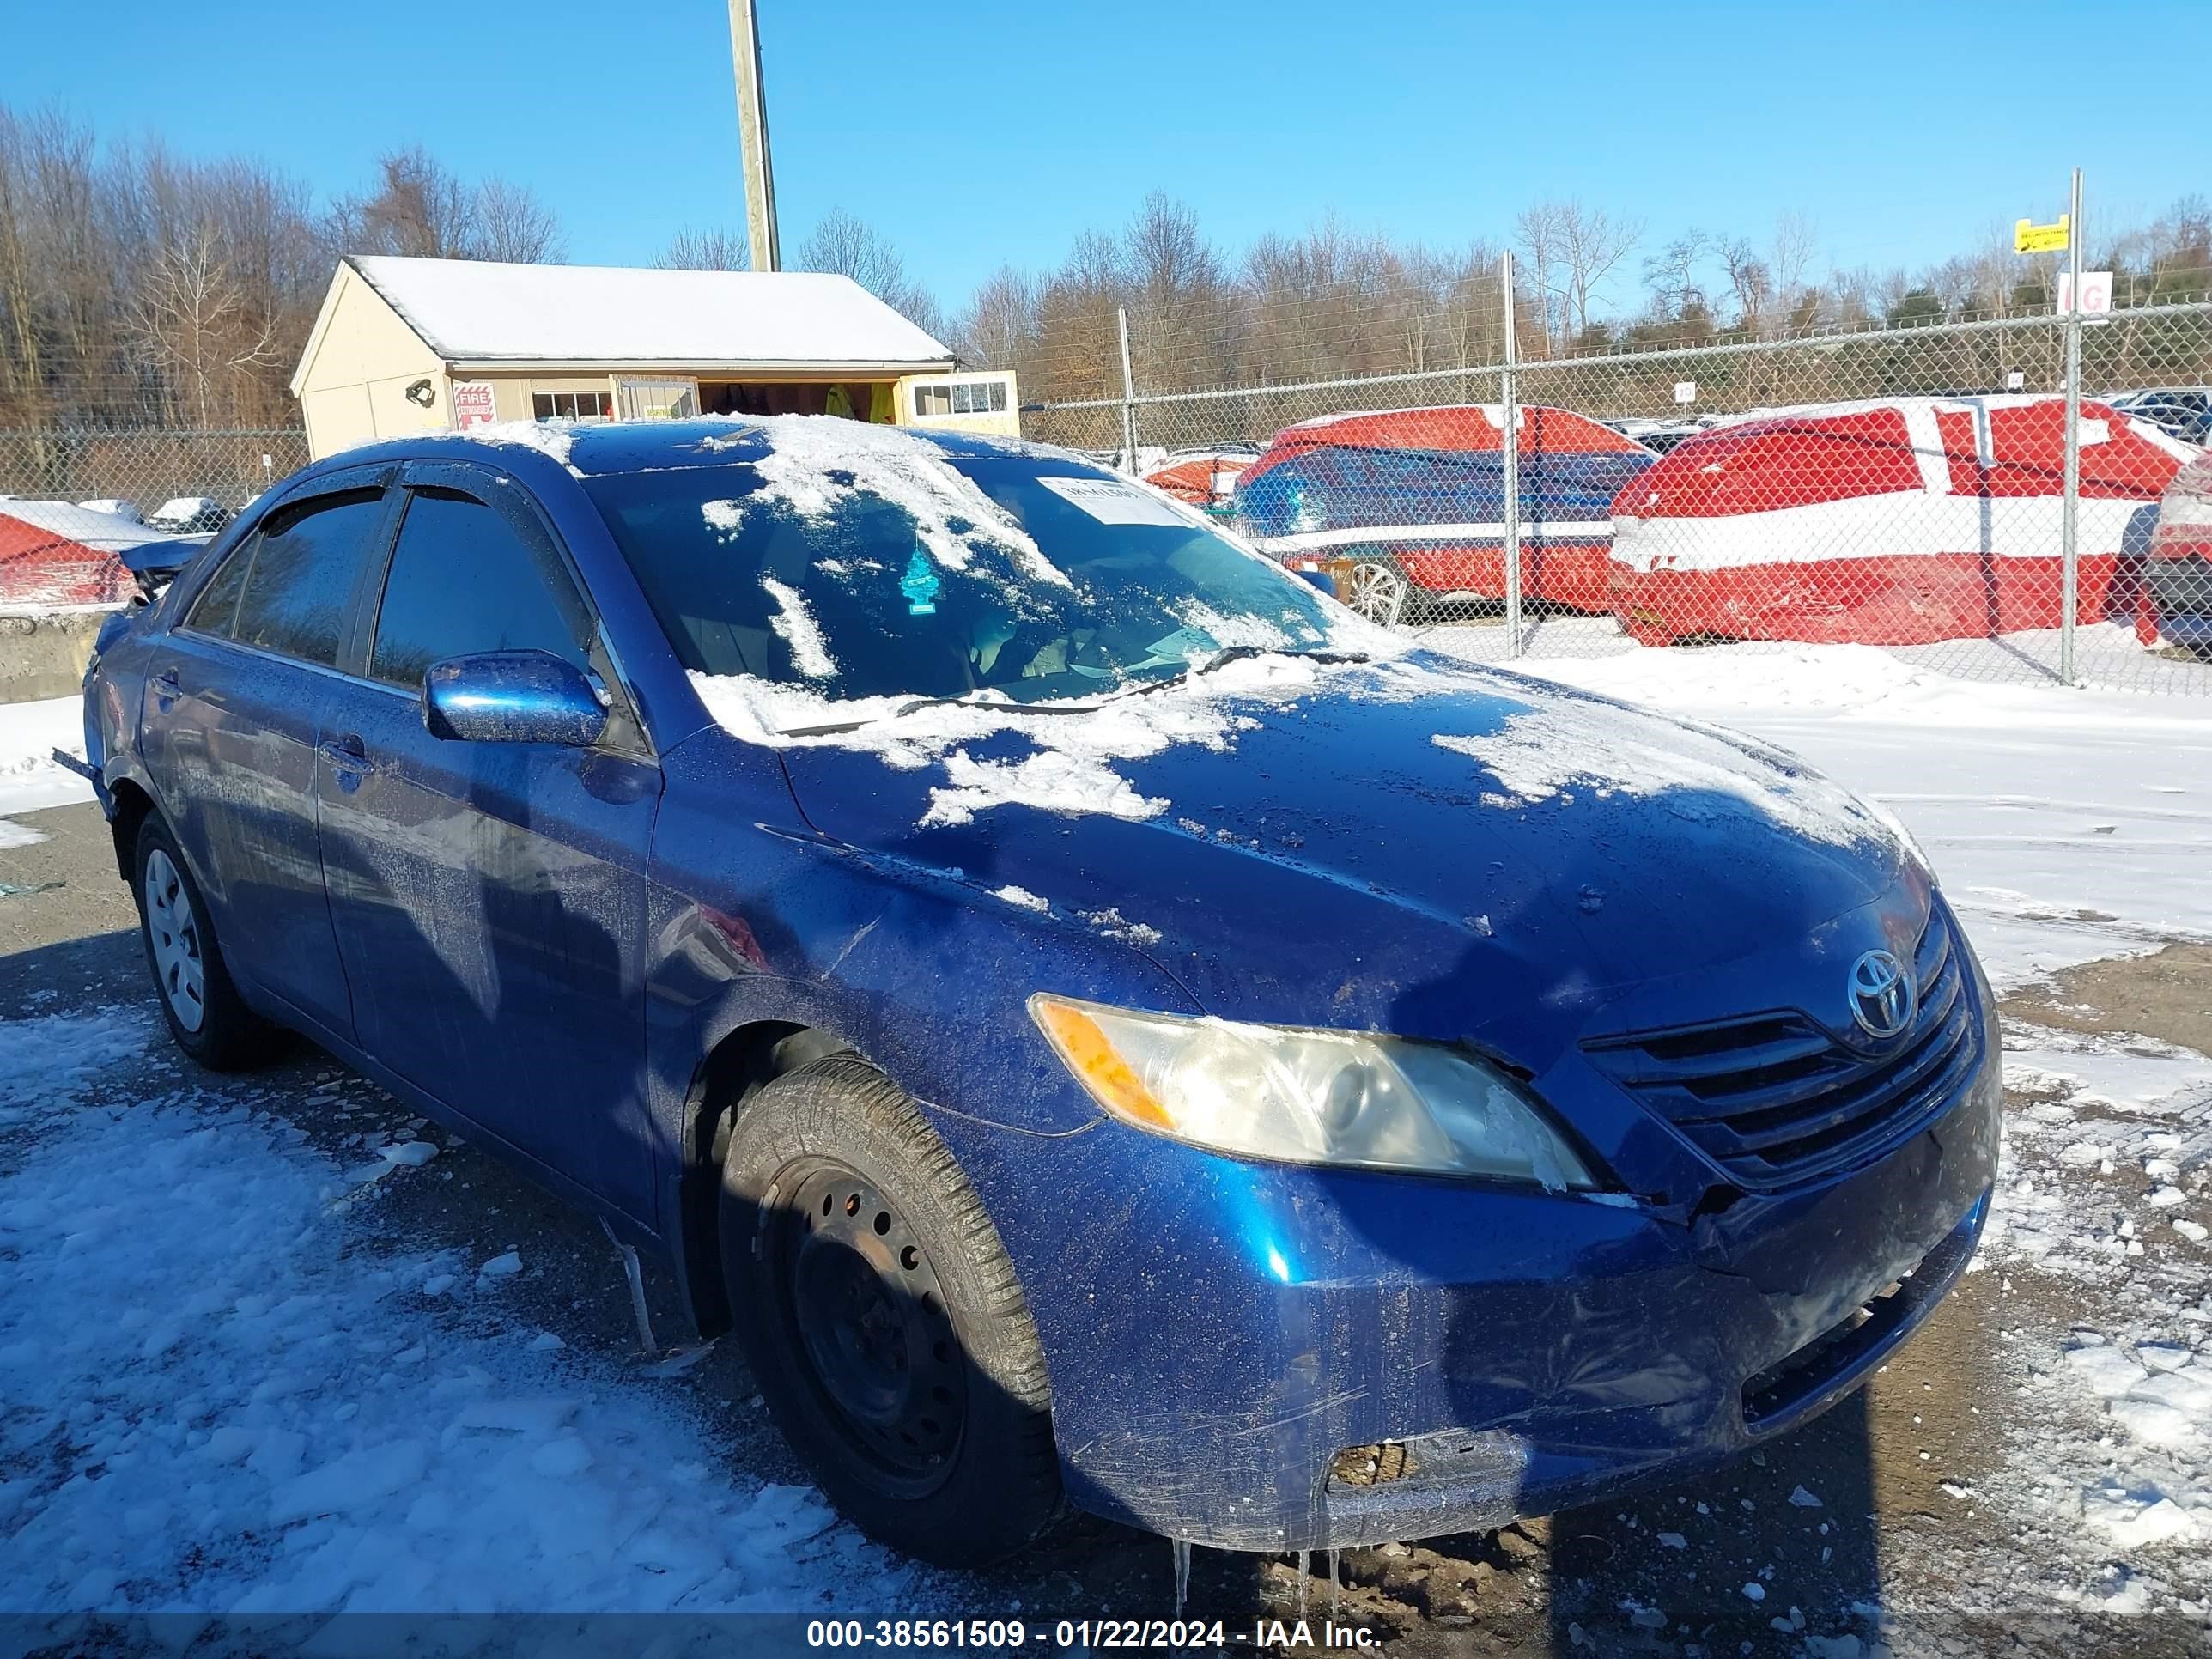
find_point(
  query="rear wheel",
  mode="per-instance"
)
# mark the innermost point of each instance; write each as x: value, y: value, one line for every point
x: 1380, y: 590
x: 206, y: 1015
x: 881, y: 1319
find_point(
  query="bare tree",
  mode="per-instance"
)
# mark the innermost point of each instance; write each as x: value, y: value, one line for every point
x: 511, y: 224
x: 707, y: 250
x: 845, y: 247
x: 419, y: 210
x: 1591, y: 245
x: 997, y: 329
x: 1750, y: 280
x: 422, y: 209
x: 191, y: 320
x: 1537, y: 232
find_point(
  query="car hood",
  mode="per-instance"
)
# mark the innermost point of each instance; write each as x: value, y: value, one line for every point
x: 1417, y: 846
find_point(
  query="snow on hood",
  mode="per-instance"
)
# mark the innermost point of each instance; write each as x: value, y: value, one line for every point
x: 1077, y: 743
x: 1567, y: 742
x: 815, y: 462
x: 1579, y: 742
x: 1548, y: 752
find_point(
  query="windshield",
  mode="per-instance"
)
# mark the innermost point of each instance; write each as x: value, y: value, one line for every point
x: 883, y: 567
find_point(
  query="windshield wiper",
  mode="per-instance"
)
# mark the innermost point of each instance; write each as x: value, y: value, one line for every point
x: 1230, y: 653
x: 1008, y: 704
x: 1011, y: 706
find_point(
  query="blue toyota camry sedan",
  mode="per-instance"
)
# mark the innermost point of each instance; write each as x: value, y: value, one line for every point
x: 1099, y: 1023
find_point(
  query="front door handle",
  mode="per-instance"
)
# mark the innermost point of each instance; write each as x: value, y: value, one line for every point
x: 167, y: 688
x: 347, y: 757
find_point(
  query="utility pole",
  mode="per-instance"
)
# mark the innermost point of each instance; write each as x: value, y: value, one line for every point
x: 2070, y: 576
x: 752, y: 138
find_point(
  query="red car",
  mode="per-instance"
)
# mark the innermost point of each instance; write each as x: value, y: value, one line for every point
x: 1895, y: 522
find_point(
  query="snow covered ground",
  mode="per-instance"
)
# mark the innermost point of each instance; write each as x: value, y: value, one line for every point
x: 218, y: 1392
x: 215, y: 1400
x: 30, y: 734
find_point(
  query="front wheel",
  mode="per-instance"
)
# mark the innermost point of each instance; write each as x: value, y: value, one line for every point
x: 881, y: 1317
x: 206, y: 1018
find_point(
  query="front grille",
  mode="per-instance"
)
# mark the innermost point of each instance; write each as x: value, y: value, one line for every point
x: 1774, y: 1100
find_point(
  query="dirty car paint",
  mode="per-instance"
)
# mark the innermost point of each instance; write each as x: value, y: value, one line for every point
x: 1216, y: 1329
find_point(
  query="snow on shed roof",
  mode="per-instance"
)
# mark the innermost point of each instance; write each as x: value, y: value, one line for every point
x: 476, y: 310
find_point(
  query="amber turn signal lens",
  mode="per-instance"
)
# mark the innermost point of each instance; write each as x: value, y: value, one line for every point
x: 1084, y: 1048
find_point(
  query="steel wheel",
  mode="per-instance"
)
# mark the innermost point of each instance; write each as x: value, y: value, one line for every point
x: 870, y: 1316
x: 173, y: 934
x: 1379, y: 592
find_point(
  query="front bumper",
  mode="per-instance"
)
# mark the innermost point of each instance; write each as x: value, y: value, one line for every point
x: 1220, y: 1332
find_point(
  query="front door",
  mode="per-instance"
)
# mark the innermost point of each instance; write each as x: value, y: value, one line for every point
x: 489, y: 897
x: 232, y: 720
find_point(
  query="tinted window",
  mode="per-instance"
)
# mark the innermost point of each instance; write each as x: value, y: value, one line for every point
x: 466, y: 578
x: 216, y: 608
x: 305, y: 561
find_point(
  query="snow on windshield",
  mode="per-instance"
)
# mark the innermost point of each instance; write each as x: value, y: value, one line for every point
x: 810, y: 652
x: 1071, y: 768
x: 815, y: 462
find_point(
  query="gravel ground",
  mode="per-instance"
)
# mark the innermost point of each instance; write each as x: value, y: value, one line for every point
x: 1991, y: 1490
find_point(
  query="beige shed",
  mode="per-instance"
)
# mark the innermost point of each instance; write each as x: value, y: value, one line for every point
x: 409, y: 345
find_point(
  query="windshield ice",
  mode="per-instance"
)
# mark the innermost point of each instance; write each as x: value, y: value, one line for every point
x: 883, y: 566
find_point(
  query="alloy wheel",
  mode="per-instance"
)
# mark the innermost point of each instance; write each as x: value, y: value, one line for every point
x: 1379, y: 592
x: 179, y: 965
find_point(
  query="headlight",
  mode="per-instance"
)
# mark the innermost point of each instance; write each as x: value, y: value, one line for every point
x: 1308, y: 1097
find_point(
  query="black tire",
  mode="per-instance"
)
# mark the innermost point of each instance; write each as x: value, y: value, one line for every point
x: 206, y: 1018
x: 881, y: 1319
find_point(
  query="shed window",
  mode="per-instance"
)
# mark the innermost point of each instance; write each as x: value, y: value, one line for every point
x: 573, y: 406
x: 961, y: 397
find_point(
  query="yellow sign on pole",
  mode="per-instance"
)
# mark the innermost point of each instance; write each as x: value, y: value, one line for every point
x: 2028, y: 237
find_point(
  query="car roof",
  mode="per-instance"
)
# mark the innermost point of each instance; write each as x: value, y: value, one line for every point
x: 599, y: 448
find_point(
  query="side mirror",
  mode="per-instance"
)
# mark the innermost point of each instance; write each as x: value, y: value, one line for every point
x: 512, y: 696
x: 1323, y: 580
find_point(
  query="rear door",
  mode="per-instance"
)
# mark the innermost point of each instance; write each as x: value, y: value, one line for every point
x: 489, y: 896
x: 230, y: 721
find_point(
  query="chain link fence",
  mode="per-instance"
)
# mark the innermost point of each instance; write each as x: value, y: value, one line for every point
x: 1930, y: 490
x: 146, y: 467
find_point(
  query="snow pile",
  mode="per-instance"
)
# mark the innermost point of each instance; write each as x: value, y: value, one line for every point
x: 216, y: 1403
x: 1071, y: 769
x: 30, y: 734
x: 815, y: 463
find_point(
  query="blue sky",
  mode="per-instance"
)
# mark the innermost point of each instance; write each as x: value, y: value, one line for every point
x: 983, y: 132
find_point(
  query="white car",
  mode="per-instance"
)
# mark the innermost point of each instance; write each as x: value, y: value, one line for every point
x: 185, y: 515
x: 116, y: 507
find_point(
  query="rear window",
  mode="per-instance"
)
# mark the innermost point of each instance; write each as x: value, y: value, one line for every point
x: 304, y: 561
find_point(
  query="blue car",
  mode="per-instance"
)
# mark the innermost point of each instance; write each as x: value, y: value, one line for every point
x: 1102, y: 1024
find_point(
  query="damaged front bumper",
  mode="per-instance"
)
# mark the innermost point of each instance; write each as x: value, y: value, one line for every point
x: 1269, y: 1358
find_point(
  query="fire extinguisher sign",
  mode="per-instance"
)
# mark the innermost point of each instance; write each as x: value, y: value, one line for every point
x: 472, y: 404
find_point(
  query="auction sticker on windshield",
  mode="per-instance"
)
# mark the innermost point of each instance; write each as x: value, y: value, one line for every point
x: 1112, y: 502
